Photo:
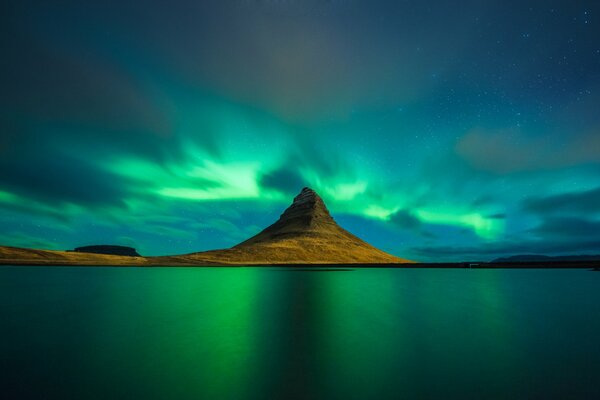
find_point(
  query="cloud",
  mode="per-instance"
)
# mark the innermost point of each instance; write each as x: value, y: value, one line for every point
x: 301, y: 59
x: 82, y: 94
x: 585, y: 202
x: 285, y: 179
x: 568, y: 228
x: 406, y: 220
x: 21, y: 239
x: 32, y: 208
x: 60, y: 179
x: 311, y: 162
x: 497, y: 216
x: 484, y: 227
x: 510, y: 150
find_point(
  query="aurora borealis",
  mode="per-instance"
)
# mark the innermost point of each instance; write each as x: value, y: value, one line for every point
x: 432, y: 131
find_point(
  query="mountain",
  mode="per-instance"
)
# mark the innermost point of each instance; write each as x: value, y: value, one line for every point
x: 108, y: 249
x: 542, y: 258
x: 304, y: 234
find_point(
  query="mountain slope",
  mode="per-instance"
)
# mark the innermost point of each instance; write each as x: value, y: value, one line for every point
x: 304, y: 234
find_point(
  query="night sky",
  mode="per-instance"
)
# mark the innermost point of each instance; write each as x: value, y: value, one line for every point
x: 434, y: 130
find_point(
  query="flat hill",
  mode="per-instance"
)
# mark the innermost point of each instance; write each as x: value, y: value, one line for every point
x: 109, y: 249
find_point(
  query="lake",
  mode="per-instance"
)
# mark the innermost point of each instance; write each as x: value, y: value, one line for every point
x: 275, y: 333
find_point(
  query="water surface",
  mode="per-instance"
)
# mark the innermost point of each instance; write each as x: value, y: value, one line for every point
x: 257, y: 333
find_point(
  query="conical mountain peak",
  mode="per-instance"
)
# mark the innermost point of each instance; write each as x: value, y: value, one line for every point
x: 304, y: 233
x: 306, y: 195
x: 307, y: 204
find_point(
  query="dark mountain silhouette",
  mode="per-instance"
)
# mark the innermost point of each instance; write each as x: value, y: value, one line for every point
x: 541, y: 258
x: 109, y: 249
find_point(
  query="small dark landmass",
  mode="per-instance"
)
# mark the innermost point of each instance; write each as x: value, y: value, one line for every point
x: 109, y: 249
x: 543, y: 258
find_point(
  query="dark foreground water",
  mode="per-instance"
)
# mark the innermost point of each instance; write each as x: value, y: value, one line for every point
x: 267, y: 333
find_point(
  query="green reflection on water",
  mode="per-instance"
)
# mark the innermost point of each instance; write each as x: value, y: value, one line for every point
x: 360, y: 346
x: 208, y: 331
x: 165, y: 333
x: 370, y: 342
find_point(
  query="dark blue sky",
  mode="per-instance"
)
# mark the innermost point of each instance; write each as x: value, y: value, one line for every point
x: 435, y: 131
